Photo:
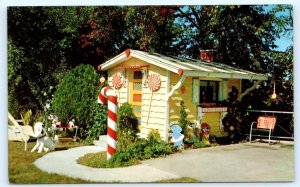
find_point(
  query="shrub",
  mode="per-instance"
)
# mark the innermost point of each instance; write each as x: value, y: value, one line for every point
x: 196, y: 143
x: 183, y: 122
x: 127, y: 126
x: 98, y: 127
x: 76, y: 96
x: 141, y: 149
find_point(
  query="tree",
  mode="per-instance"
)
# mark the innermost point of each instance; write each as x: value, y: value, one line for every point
x: 76, y: 96
x: 44, y: 38
x: 111, y: 30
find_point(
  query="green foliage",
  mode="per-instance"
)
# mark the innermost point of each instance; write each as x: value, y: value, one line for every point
x: 141, y: 149
x: 127, y: 126
x: 76, y: 96
x: 99, y: 160
x: 196, y: 143
x: 183, y: 122
x: 98, y: 127
x: 15, y: 59
x: 228, y: 29
x: 234, y: 120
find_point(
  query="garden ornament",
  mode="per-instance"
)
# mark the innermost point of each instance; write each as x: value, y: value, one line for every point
x: 205, y: 130
x: 177, y: 137
x: 43, y: 141
x: 57, y: 125
x: 108, y: 95
x: 154, y: 83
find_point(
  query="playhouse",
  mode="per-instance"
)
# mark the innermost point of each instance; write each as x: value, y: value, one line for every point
x: 155, y: 84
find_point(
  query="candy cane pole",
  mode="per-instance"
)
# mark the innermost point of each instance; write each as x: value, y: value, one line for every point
x: 108, y: 95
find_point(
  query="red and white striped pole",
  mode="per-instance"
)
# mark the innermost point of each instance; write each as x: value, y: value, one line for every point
x: 107, y: 93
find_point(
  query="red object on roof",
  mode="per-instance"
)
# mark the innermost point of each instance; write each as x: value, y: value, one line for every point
x: 127, y: 52
x: 99, y: 67
x: 207, y: 55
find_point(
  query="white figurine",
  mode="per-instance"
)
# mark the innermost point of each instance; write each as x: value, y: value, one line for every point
x: 43, y: 142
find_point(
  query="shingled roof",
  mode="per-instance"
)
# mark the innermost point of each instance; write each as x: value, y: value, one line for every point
x: 185, y: 66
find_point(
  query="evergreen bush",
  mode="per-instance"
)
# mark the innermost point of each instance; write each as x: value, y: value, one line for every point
x: 183, y: 122
x: 76, y: 95
x: 127, y: 126
x: 98, y: 127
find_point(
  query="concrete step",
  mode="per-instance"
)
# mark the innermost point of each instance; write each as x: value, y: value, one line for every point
x: 101, y: 142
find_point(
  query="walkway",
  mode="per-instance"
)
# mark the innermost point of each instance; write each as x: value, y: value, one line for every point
x: 256, y: 162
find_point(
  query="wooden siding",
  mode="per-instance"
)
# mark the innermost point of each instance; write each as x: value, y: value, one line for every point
x: 155, y: 103
x: 177, y: 97
x: 157, y: 106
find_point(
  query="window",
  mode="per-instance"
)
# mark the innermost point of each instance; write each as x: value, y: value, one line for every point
x: 208, y: 92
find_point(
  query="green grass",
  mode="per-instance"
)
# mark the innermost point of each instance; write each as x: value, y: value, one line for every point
x: 180, y: 180
x: 21, y: 169
x: 99, y: 160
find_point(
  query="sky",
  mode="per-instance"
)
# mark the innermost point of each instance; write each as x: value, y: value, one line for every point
x: 283, y: 43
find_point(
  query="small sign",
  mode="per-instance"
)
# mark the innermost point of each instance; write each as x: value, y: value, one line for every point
x: 212, y: 109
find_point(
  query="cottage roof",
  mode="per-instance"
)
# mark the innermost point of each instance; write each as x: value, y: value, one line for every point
x: 185, y: 66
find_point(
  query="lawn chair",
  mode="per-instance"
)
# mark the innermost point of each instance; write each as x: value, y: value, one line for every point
x: 18, y: 132
x: 264, y: 124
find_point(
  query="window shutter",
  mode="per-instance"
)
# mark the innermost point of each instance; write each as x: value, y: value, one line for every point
x: 224, y: 90
x: 221, y: 91
x: 195, y: 91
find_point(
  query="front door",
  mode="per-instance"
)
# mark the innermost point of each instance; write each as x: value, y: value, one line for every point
x: 135, y: 87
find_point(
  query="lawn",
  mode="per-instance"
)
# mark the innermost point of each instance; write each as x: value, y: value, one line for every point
x: 21, y: 169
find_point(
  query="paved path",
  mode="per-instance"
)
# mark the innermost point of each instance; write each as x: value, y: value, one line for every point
x: 64, y: 163
x: 256, y: 162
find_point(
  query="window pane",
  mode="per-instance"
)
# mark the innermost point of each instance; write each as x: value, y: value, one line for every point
x: 208, y: 91
x: 136, y: 110
x: 137, y: 86
x: 137, y: 98
x: 213, y: 86
x: 137, y: 75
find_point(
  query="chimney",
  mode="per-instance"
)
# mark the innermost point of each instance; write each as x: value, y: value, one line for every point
x: 207, y: 55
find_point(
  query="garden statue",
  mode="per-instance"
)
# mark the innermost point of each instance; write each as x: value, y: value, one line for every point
x: 177, y: 137
x: 57, y: 125
x: 205, y: 130
x: 43, y: 142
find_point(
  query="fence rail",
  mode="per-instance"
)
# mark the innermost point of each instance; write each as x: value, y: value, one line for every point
x: 270, y: 111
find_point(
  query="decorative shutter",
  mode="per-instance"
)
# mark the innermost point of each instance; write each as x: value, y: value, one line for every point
x: 224, y: 90
x: 221, y: 91
x: 195, y: 91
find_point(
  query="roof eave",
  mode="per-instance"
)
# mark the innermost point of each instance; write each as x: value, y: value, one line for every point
x: 114, y: 61
x: 226, y: 75
x: 122, y: 57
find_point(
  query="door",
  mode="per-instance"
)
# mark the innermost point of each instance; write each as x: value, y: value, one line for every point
x: 136, y: 93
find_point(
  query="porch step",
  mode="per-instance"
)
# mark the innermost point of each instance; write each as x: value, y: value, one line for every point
x: 101, y: 142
